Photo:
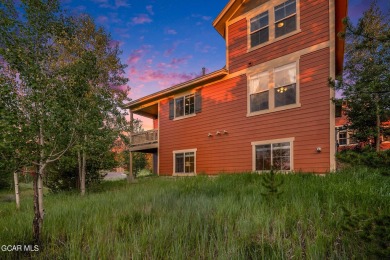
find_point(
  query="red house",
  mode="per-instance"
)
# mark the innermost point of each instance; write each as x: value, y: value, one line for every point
x: 271, y: 103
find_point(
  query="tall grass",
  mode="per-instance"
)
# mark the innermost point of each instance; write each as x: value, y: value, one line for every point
x: 204, y: 218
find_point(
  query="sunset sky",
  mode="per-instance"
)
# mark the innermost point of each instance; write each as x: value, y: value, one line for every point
x: 165, y: 42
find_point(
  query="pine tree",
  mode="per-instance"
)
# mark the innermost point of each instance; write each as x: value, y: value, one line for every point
x: 365, y: 84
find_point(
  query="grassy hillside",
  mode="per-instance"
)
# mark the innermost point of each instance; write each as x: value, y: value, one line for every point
x: 211, y: 218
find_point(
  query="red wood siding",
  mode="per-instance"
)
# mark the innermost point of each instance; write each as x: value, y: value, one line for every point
x: 225, y: 108
x: 314, y: 23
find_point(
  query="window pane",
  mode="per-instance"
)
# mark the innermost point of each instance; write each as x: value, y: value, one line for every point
x: 179, y: 163
x: 263, y: 157
x: 342, y: 138
x: 285, y: 26
x: 189, y: 163
x: 179, y: 107
x: 259, y: 37
x: 285, y: 95
x: 259, y: 101
x: 285, y: 9
x: 285, y: 75
x: 281, y: 156
x: 258, y: 83
x: 189, y: 104
x: 259, y: 21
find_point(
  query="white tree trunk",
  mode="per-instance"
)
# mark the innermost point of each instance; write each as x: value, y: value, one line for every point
x: 40, y: 192
x: 83, y: 173
x: 16, y: 181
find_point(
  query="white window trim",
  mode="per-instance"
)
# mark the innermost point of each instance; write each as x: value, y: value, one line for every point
x: 187, y: 93
x: 258, y: 30
x: 270, y: 68
x: 174, y: 165
x: 174, y: 106
x: 274, y: 141
x: 348, y: 137
x: 270, y: 7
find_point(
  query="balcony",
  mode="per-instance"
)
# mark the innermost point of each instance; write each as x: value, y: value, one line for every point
x: 144, y: 141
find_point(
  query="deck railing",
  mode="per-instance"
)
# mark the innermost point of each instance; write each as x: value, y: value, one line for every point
x: 146, y: 137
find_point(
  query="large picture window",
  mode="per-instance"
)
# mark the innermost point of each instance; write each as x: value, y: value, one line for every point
x: 184, y: 162
x: 259, y: 29
x: 285, y: 18
x: 276, y: 155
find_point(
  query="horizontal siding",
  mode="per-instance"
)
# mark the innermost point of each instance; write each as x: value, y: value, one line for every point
x: 314, y: 23
x: 225, y: 108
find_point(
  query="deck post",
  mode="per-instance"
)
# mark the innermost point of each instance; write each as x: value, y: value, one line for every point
x: 130, y: 177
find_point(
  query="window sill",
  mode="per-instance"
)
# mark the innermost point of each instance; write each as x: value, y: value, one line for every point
x: 183, y: 174
x: 183, y: 117
x: 273, y: 40
x: 262, y: 112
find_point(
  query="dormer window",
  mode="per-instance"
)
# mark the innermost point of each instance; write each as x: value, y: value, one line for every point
x: 259, y: 29
x: 285, y: 18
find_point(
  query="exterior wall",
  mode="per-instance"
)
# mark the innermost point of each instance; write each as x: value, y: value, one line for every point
x: 225, y: 108
x: 314, y: 25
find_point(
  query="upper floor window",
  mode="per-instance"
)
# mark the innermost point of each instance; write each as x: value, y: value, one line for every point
x: 259, y: 29
x: 186, y: 105
x: 269, y: 93
x: 285, y: 18
x: 271, y: 21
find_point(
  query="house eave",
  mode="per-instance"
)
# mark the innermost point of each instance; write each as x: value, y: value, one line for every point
x: 219, y: 22
x: 206, y: 79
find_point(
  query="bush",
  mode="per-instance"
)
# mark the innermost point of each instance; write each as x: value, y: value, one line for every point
x: 367, y: 157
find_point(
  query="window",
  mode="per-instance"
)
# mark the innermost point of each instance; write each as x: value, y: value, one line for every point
x: 259, y: 30
x: 272, y: 21
x: 285, y: 18
x: 259, y: 93
x: 184, y: 161
x: 272, y: 90
x: 345, y: 137
x: 185, y: 105
x: 285, y: 85
x: 276, y: 154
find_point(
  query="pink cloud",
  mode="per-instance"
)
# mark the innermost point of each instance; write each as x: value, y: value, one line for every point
x: 121, y: 3
x: 170, y: 31
x: 165, y: 79
x: 201, y: 47
x: 116, y: 43
x: 141, y: 19
x: 171, y: 50
x: 136, y: 55
x: 149, y: 8
x: 102, y: 19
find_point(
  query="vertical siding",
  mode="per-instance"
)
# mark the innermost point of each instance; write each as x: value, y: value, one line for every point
x: 314, y: 24
x: 225, y: 108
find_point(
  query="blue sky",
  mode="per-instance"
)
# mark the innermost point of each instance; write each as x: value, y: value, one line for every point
x: 165, y: 42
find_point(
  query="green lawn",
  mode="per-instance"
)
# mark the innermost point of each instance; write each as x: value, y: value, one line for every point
x: 211, y: 218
